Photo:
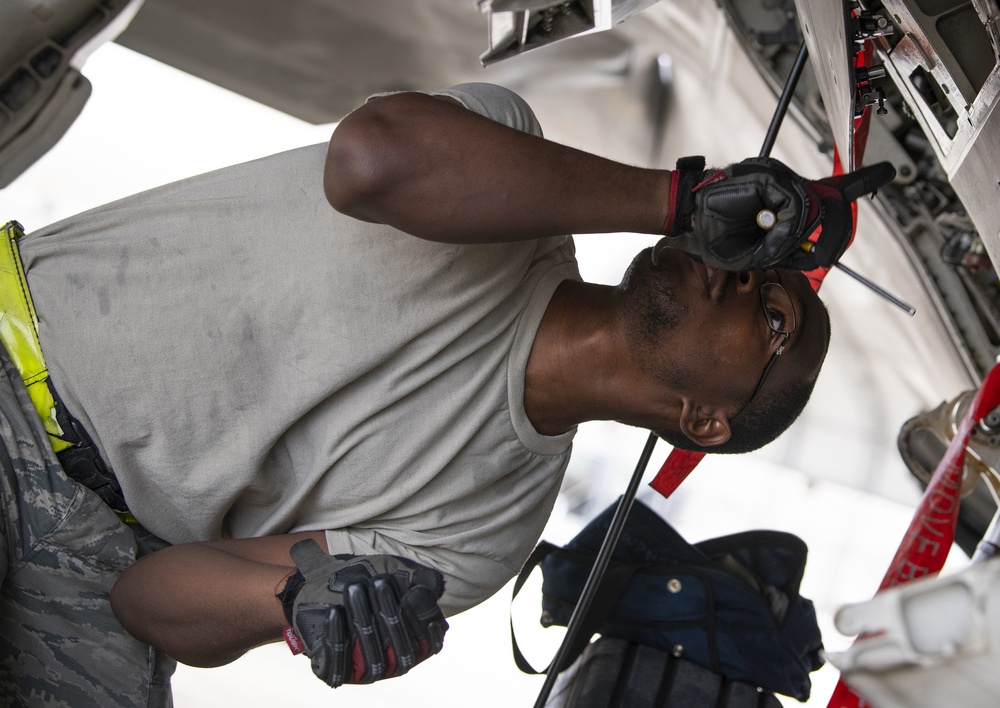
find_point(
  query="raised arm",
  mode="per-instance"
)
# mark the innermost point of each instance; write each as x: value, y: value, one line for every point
x: 432, y: 168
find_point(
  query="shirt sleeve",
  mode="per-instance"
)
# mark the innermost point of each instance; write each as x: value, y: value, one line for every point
x: 469, y: 578
x: 492, y: 101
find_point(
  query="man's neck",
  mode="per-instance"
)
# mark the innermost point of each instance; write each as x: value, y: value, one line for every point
x: 573, y: 359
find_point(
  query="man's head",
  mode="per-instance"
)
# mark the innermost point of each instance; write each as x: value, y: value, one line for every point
x: 709, y: 335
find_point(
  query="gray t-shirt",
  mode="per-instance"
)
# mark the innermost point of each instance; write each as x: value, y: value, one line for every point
x: 251, y: 362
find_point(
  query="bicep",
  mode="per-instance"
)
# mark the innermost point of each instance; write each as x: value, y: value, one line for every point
x: 379, y: 152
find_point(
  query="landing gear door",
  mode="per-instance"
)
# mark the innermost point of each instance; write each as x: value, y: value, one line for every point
x: 825, y: 26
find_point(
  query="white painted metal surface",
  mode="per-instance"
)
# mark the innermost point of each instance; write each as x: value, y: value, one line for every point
x: 936, y: 642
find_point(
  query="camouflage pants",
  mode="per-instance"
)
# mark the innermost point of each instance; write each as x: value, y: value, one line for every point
x: 61, y: 550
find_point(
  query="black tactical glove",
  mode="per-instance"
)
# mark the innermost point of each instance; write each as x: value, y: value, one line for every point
x: 759, y: 214
x: 362, y: 618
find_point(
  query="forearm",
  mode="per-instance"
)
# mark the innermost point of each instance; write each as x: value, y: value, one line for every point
x: 433, y: 169
x: 204, y: 604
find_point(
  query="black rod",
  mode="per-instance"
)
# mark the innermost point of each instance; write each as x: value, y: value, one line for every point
x: 597, y: 572
x: 784, y: 100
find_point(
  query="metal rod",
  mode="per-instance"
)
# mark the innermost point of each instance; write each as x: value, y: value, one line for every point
x: 784, y: 100
x: 597, y: 573
x: 989, y: 544
x: 908, y: 309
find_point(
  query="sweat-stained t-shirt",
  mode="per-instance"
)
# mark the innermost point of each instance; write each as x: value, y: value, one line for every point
x: 252, y: 362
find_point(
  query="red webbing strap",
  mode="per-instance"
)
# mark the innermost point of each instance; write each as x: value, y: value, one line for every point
x: 931, y: 533
x: 862, y: 125
x: 679, y: 464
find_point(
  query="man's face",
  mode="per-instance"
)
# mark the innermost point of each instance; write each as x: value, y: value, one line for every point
x: 715, y: 339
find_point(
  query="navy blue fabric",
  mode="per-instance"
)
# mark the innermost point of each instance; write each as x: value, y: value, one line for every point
x: 732, y: 604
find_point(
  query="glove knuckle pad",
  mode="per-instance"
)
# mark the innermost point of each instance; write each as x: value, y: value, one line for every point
x: 364, y: 618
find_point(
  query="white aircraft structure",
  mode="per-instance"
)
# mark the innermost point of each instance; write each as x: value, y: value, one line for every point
x: 915, y: 82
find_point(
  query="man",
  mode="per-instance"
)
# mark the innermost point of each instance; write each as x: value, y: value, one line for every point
x: 259, y: 369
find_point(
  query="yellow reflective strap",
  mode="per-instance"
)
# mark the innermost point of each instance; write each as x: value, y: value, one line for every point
x: 126, y: 517
x: 19, y: 334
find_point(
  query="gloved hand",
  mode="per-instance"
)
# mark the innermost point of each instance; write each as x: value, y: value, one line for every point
x: 362, y: 618
x: 758, y: 214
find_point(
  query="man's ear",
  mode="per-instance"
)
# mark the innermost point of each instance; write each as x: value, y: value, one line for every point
x: 706, y: 426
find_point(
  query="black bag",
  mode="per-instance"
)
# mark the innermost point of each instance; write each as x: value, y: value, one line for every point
x: 730, y: 604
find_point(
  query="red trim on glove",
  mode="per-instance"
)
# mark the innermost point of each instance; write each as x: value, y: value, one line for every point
x: 390, y: 662
x: 293, y: 640
x: 679, y: 464
x: 720, y: 174
x: 357, y: 663
x: 671, y: 203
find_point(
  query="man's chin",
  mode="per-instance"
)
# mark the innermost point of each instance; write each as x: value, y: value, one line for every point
x: 642, y: 266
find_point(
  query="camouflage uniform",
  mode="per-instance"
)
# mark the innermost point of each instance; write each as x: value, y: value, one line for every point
x: 62, y: 550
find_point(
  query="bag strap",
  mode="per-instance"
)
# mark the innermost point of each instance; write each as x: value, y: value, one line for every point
x: 543, y: 549
x: 613, y: 584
